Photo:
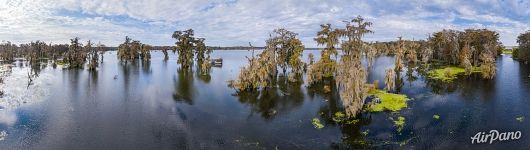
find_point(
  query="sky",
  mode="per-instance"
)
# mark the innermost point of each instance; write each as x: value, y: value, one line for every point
x: 238, y: 22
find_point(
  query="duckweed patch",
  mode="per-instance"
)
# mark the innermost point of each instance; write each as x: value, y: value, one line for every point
x: 317, y: 124
x: 436, y: 117
x: 388, y: 101
x: 450, y: 73
x: 340, y: 117
x: 399, y: 123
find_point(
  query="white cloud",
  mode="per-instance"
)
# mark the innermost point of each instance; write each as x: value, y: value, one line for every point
x: 228, y: 23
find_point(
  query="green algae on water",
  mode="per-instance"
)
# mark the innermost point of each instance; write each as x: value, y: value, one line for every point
x: 388, y: 101
x: 450, y: 73
x: 317, y: 124
x: 399, y: 123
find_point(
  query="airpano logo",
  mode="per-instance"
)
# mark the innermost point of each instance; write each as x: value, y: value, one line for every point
x: 494, y: 135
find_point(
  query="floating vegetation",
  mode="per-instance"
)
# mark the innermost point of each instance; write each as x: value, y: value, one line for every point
x: 386, y: 101
x: 436, y: 117
x: 399, y: 123
x: 340, y: 117
x: 317, y: 124
x: 449, y: 73
x: 520, y: 119
x: 366, y: 132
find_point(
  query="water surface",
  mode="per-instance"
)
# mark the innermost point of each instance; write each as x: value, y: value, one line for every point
x: 157, y: 106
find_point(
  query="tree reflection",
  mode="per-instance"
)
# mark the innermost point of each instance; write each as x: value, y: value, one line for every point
x: 34, y: 71
x: 205, y: 77
x: 399, y: 81
x: 410, y: 73
x: 273, y: 100
x: 146, y: 67
x: 183, y: 83
x: 352, y: 134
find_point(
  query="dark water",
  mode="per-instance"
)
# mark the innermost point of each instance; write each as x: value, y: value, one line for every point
x: 157, y: 106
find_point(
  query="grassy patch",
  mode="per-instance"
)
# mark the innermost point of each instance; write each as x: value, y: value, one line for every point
x: 399, y: 123
x: 317, y: 124
x: 389, y: 101
x: 507, y: 52
x: 449, y: 73
x: 436, y: 117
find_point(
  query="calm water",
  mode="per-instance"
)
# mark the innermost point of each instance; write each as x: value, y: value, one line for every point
x: 156, y: 106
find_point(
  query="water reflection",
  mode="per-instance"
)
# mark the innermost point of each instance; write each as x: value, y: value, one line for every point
x: 183, y: 83
x: 352, y: 135
x: 273, y: 100
x: 206, y: 78
x: 140, y: 110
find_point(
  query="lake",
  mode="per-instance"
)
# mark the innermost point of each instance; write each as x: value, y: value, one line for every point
x: 157, y: 106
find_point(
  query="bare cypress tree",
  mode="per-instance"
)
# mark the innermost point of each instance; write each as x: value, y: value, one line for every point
x: 399, y: 55
x: 164, y: 50
x: 131, y: 50
x: 75, y: 56
x: 184, y: 47
x: 124, y: 50
x: 325, y: 67
x: 311, y: 58
x: 370, y: 52
x: 101, y: 50
x: 145, y: 53
x: 488, y: 67
x: 389, y: 80
x: 464, y: 58
x: 92, y: 56
x: 351, y: 75
x: 283, y: 50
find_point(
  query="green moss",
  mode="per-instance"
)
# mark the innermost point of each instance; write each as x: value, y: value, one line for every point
x: 317, y: 124
x: 436, y: 117
x: 520, y: 119
x: 507, y: 51
x: 399, y: 123
x: 449, y: 73
x: 389, y: 101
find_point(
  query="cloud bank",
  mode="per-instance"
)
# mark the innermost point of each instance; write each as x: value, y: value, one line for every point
x: 237, y: 22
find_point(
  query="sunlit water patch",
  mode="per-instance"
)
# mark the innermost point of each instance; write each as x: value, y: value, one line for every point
x: 18, y: 90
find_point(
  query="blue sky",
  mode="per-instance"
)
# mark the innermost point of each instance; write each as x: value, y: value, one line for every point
x: 237, y: 22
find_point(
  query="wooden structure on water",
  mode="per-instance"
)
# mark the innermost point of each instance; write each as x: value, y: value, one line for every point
x: 217, y: 62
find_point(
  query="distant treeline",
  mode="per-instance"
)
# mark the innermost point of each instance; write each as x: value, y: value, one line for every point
x: 210, y: 47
